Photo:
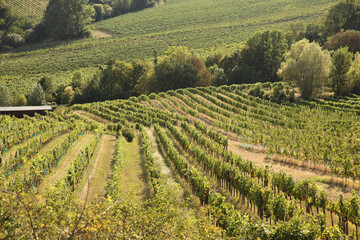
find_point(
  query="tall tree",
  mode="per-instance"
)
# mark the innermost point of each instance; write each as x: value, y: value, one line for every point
x: 180, y: 69
x: 343, y: 16
x: 67, y: 19
x: 265, y: 52
x: 341, y: 60
x: 37, y: 96
x: 5, y: 96
x: 354, y: 75
x: 308, y: 66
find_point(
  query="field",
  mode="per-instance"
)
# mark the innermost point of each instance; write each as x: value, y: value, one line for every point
x: 28, y: 8
x: 218, y: 147
x: 203, y: 26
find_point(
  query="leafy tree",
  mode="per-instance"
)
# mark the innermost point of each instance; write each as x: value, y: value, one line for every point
x: 265, y: 52
x: 5, y: 96
x: 342, y: 16
x: 180, y: 69
x: 354, y: 75
x: 68, y: 95
x: 121, y: 6
x: 341, y: 60
x: 47, y: 84
x: 37, y: 96
x: 308, y: 66
x: 20, y: 100
x: 67, y: 19
x: 99, y: 12
x: 349, y: 38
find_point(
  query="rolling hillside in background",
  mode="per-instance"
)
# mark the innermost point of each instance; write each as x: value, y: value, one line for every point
x: 202, y: 26
x: 29, y: 8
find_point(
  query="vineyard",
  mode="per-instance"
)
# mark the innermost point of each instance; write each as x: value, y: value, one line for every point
x: 136, y: 35
x: 249, y: 166
x: 34, y: 9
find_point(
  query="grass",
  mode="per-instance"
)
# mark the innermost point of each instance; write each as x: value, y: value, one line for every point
x: 101, y: 169
x: 203, y: 26
x: 134, y: 178
x: 60, y: 171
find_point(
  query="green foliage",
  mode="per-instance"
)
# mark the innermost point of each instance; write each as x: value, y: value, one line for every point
x: 308, y: 66
x: 37, y: 96
x: 5, y: 96
x: 67, y: 19
x: 354, y: 75
x: 128, y: 134
x: 349, y: 38
x: 265, y: 52
x: 343, y: 16
x: 180, y: 69
x: 341, y: 63
x: 20, y: 100
x: 47, y: 84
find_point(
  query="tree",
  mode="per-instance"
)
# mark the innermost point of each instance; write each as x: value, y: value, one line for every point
x: 349, y: 38
x: 354, y: 75
x: 20, y: 100
x: 37, y: 96
x: 47, y: 84
x: 307, y: 65
x: 67, y: 19
x: 265, y: 52
x: 68, y: 95
x: 5, y: 96
x: 180, y: 69
x: 341, y: 60
x: 342, y: 16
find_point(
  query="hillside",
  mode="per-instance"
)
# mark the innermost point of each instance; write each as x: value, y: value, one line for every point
x: 196, y: 161
x: 194, y: 24
x: 28, y: 8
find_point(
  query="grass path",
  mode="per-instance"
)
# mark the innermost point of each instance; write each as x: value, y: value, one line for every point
x: 101, y: 169
x: 134, y: 178
x: 60, y: 171
x: 166, y: 173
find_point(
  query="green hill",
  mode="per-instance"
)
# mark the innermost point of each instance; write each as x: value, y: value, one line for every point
x: 203, y: 26
x: 29, y: 8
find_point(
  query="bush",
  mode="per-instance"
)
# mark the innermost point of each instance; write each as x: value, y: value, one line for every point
x: 5, y: 96
x: 20, y: 100
x: 13, y: 40
x: 128, y: 134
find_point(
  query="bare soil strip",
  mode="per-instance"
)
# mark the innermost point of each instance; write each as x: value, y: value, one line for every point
x: 66, y: 161
x: 321, y: 179
x: 96, y: 182
x: 100, y: 34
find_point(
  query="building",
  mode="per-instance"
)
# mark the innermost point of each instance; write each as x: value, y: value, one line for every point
x: 27, y: 110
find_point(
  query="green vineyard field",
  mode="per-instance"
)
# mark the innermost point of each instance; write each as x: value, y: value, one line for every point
x: 234, y: 154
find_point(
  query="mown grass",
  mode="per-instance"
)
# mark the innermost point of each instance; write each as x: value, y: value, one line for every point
x: 202, y: 25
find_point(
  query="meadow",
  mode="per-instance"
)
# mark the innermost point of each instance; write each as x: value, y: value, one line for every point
x: 203, y: 26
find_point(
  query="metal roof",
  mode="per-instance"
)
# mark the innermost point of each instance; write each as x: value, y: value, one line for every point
x: 25, y: 108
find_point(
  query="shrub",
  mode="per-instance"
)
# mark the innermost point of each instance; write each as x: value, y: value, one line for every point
x: 13, y: 40
x: 128, y: 134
